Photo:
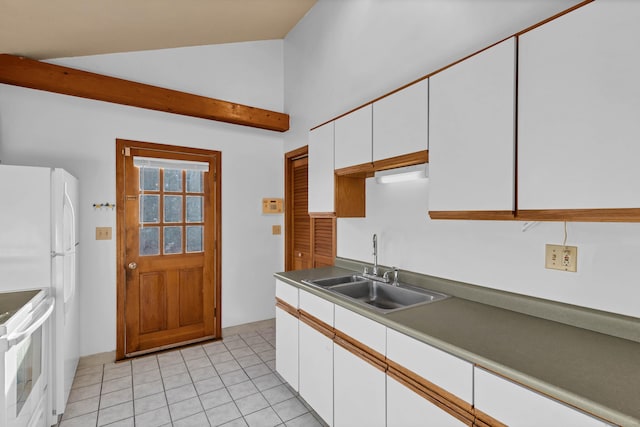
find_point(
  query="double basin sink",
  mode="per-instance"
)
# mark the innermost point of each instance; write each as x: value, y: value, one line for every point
x: 381, y: 296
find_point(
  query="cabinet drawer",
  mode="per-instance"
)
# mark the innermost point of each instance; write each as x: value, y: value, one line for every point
x: 368, y: 332
x: 516, y: 405
x: 287, y: 293
x: 442, y: 369
x: 317, y: 307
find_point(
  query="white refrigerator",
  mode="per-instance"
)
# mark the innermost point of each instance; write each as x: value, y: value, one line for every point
x: 39, y: 248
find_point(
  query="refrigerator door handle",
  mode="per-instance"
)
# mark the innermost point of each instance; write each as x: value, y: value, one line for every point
x: 72, y: 291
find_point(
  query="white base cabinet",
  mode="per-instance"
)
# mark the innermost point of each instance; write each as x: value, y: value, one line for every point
x: 359, y: 387
x: 287, y: 348
x: 316, y: 356
x: 359, y: 392
x: 406, y: 408
x: 287, y: 334
x: 316, y: 371
x: 516, y: 406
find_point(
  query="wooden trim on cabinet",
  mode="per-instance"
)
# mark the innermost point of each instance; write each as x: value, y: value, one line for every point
x: 361, y: 350
x: 322, y: 214
x: 410, y: 159
x: 287, y: 308
x: 556, y: 16
x: 29, y: 73
x: 364, y: 170
x: 484, y: 420
x: 446, y: 401
x: 580, y: 215
x: 474, y: 215
x: 316, y: 324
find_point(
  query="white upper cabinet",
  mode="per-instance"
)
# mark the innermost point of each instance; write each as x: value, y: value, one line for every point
x: 400, y: 122
x: 515, y: 405
x: 472, y: 133
x: 353, y: 138
x: 321, y: 182
x: 579, y: 110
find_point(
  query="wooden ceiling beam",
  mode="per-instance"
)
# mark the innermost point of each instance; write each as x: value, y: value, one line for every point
x: 25, y: 72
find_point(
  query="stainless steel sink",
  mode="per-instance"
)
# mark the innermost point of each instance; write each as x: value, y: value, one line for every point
x: 386, y: 297
x: 380, y: 296
x: 333, y: 281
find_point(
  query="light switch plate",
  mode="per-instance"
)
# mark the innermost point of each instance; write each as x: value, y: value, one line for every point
x: 276, y: 229
x: 560, y: 257
x: 103, y: 233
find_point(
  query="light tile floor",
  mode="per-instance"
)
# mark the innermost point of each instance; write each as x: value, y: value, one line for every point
x: 231, y: 382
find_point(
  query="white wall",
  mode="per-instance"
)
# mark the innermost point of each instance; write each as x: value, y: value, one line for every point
x: 343, y: 54
x: 44, y: 129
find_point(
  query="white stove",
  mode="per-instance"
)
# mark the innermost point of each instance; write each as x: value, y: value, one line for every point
x: 24, y: 357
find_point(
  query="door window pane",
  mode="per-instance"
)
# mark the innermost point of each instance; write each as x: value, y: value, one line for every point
x: 194, y: 181
x: 172, y: 180
x: 149, y: 208
x: 150, y: 179
x: 172, y: 240
x: 194, y: 208
x: 150, y: 241
x: 172, y: 208
x: 194, y: 238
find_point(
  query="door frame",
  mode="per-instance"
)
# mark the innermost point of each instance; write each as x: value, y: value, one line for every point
x: 288, y: 206
x: 121, y: 145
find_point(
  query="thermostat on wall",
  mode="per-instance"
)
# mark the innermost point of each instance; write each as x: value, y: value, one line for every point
x: 271, y: 206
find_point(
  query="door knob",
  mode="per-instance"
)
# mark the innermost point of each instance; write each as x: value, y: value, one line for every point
x: 132, y: 266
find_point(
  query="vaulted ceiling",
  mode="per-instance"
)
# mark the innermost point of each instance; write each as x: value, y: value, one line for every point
x: 43, y: 29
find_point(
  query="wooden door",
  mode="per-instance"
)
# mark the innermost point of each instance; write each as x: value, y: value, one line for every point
x: 298, y: 252
x: 168, y: 234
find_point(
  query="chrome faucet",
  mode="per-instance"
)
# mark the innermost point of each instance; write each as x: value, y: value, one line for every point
x: 375, y: 255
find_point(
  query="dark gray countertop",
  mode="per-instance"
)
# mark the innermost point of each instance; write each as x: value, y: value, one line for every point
x: 595, y: 372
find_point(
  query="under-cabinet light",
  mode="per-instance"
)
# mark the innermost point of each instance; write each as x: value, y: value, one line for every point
x: 408, y: 173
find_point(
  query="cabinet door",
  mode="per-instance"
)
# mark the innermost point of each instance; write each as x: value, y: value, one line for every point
x: 578, y: 109
x: 287, y: 347
x: 287, y: 335
x: 405, y: 408
x: 515, y: 405
x: 400, y: 122
x: 471, y: 133
x: 353, y: 138
x: 359, y: 392
x: 316, y: 371
x: 321, y: 184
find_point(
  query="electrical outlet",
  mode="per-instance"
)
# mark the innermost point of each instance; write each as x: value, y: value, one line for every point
x: 103, y: 233
x: 560, y: 257
x: 275, y: 230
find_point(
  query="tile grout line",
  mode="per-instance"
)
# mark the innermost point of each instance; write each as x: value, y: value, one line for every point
x: 267, y: 337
